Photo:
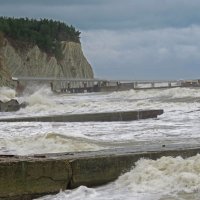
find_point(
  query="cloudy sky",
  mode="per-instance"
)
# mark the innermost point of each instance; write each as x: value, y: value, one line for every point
x: 127, y: 39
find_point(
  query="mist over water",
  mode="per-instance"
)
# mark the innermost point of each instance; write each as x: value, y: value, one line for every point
x: 164, y: 179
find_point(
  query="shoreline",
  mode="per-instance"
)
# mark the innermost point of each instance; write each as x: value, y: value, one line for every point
x: 31, y: 176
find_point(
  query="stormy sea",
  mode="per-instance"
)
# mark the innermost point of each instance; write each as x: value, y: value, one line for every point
x: 166, y: 178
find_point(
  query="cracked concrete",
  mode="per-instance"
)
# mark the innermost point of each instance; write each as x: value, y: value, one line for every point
x: 28, y: 177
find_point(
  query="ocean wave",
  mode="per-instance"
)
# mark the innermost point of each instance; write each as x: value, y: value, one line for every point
x: 7, y: 94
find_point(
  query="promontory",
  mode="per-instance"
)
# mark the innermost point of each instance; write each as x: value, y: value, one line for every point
x: 40, y: 48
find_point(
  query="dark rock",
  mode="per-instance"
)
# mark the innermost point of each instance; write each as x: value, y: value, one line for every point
x: 23, y: 105
x: 10, y: 106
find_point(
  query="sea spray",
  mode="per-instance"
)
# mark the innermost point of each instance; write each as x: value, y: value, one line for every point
x: 165, y: 174
x: 7, y: 94
x: 41, y: 96
x: 40, y: 143
x: 165, y: 178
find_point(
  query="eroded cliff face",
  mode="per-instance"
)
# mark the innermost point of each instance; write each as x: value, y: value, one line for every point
x: 5, y: 76
x: 34, y: 62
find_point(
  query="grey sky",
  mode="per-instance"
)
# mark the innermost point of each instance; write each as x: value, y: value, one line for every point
x: 127, y: 39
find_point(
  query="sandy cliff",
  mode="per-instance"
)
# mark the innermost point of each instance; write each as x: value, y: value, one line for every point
x: 5, y: 76
x: 34, y: 62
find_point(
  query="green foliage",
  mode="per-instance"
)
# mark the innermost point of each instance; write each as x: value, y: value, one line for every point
x: 47, y: 34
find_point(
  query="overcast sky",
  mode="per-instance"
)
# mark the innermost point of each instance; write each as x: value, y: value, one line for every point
x: 127, y: 39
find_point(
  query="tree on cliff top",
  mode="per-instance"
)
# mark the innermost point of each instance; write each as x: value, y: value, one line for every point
x: 47, y: 34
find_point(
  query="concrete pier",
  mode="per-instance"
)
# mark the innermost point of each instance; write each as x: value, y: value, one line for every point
x: 28, y: 177
x: 106, y: 116
x: 78, y: 85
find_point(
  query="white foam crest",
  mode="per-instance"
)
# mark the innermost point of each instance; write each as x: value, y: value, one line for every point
x: 166, y: 174
x: 7, y: 94
x: 155, y: 93
x: 183, y: 92
x: 44, y: 100
x: 80, y: 193
x: 45, y: 143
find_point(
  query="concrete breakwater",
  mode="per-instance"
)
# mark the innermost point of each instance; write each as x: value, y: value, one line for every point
x: 28, y: 177
x: 106, y: 116
x: 78, y: 85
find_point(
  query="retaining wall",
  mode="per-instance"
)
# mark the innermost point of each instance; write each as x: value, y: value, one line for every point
x: 106, y: 116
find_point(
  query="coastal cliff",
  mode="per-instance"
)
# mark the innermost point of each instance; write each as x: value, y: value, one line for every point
x: 5, y: 76
x: 34, y: 62
x: 44, y: 48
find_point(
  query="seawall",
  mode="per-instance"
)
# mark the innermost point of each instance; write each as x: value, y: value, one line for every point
x: 27, y: 177
x: 104, y: 116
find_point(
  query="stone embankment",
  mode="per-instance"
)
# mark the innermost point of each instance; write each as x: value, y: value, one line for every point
x: 107, y: 116
x: 28, y: 177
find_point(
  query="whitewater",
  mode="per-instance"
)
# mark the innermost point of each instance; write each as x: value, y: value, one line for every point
x: 164, y: 179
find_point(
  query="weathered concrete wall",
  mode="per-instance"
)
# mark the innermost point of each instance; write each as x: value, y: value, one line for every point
x: 99, y: 170
x: 29, y: 178
x: 107, y: 166
x: 107, y: 116
x: 34, y: 176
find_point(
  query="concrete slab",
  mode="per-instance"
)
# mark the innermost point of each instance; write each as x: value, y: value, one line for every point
x: 27, y: 177
x: 106, y: 116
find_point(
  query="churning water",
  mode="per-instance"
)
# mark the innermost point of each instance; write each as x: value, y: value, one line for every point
x: 165, y: 179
